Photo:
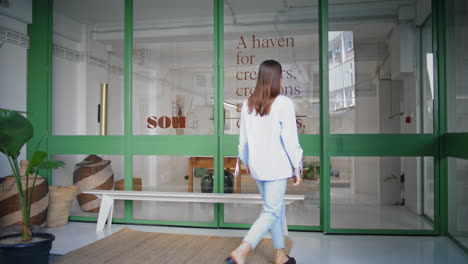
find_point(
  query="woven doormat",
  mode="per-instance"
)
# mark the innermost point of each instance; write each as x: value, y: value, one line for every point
x: 130, y: 246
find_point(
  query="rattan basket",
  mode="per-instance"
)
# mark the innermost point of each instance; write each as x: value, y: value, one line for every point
x: 61, y: 199
x: 137, y: 186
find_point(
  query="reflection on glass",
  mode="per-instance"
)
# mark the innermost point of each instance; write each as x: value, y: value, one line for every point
x: 427, y: 70
x: 428, y: 187
x: 254, y: 33
x: 458, y: 197
x: 87, y: 52
x: 377, y: 193
x: 305, y: 213
x: 373, y: 75
x: 457, y: 66
x: 99, y: 171
x: 173, y: 67
x: 341, y: 70
x: 174, y: 174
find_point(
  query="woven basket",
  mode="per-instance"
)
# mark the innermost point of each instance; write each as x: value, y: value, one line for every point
x: 93, y: 173
x: 137, y: 186
x: 61, y: 199
x: 10, y: 207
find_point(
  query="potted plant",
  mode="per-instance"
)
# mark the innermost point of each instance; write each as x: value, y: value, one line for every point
x: 24, y: 247
x: 311, y: 170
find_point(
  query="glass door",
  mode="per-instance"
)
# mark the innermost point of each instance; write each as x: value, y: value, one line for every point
x: 255, y: 31
x: 381, y: 141
x: 156, y: 61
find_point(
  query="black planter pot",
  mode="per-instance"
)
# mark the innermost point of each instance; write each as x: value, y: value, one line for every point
x: 35, y: 252
x: 228, y: 182
x: 207, y: 184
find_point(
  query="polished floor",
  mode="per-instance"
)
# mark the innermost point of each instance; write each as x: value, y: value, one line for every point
x: 308, y: 247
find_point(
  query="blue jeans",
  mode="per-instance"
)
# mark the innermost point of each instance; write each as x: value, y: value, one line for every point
x: 273, y: 215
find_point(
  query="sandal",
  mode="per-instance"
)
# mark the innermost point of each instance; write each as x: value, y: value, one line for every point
x: 229, y: 260
x: 291, y: 260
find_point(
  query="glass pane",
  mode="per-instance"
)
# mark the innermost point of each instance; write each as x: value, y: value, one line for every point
x: 257, y: 31
x: 173, y: 67
x: 457, y: 65
x: 87, y: 52
x: 173, y: 174
x: 429, y: 185
x: 458, y: 197
x: 103, y: 172
x: 373, y: 57
x: 304, y: 213
x: 427, y: 70
x: 377, y: 193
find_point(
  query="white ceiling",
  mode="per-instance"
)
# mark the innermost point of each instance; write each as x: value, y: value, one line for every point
x: 111, y: 11
x: 192, y: 20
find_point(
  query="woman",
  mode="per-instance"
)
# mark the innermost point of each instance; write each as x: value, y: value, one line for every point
x: 269, y: 148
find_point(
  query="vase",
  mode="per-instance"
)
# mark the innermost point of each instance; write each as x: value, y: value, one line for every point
x: 93, y: 173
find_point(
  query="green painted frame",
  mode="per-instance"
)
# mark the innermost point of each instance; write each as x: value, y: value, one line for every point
x: 422, y: 106
x: 218, y: 145
x: 39, y: 76
x: 453, y: 145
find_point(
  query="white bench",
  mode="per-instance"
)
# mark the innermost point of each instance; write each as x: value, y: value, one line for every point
x: 108, y: 197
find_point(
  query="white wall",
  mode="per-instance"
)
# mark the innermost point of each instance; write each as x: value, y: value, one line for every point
x: 366, y: 178
x: 77, y: 79
x: 13, y: 65
x: 65, y: 92
x: 411, y: 168
x: 18, y: 10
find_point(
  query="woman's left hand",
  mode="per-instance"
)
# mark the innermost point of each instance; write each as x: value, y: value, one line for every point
x: 297, y: 177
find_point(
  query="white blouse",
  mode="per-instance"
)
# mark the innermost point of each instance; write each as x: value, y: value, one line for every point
x: 269, y: 145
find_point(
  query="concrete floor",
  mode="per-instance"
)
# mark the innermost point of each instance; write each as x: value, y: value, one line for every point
x: 308, y: 247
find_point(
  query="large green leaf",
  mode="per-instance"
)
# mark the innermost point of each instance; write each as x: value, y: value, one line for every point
x: 50, y: 165
x: 39, y: 162
x: 38, y: 158
x: 15, y: 131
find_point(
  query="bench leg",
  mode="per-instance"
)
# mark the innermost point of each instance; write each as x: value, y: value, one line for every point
x: 111, y: 213
x: 105, y: 211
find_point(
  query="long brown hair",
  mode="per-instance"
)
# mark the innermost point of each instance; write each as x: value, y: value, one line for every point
x: 267, y: 88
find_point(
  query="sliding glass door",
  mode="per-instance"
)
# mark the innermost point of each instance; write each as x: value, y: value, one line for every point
x: 380, y: 114
x: 255, y: 31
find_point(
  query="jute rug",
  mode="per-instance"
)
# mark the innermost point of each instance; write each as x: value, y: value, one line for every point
x: 130, y: 246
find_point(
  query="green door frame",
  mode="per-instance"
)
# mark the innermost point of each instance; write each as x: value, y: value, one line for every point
x: 325, y: 145
x: 453, y: 144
